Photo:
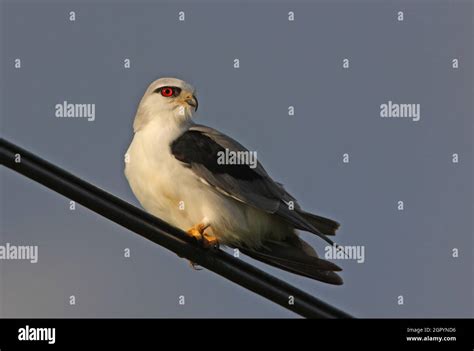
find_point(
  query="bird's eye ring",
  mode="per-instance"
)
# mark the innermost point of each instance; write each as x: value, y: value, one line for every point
x: 167, y: 92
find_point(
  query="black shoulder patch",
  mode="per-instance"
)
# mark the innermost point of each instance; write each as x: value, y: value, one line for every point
x: 195, y: 147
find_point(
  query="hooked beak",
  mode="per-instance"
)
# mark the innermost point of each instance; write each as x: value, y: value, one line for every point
x: 192, y: 101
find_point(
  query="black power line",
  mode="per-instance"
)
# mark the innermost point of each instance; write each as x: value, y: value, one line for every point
x: 161, y: 233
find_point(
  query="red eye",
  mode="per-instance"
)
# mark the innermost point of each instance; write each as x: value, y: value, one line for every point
x: 167, y: 92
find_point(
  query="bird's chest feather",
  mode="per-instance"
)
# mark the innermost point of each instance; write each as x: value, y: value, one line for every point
x: 154, y: 173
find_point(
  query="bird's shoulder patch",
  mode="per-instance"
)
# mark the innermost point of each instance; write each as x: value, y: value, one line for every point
x: 195, y: 147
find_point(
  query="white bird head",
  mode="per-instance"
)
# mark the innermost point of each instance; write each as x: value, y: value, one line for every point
x: 169, y: 99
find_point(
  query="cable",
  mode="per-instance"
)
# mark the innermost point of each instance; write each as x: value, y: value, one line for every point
x: 163, y: 234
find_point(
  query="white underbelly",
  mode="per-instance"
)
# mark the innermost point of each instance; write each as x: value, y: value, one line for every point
x: 172, y: 192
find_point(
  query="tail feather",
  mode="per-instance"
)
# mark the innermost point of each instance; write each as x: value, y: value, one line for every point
x: 324, y: 225
x: 294, y: 256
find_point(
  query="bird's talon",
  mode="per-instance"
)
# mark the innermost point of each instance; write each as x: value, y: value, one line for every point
x: 209, y: 241
x: 195, y: 234
x: 195, y: 266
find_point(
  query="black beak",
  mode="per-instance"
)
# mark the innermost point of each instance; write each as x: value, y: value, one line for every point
x: 193, y: 102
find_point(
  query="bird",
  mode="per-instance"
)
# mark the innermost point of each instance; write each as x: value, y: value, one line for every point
x: 172, y: 169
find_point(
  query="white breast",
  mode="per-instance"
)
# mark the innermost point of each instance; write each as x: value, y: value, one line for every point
x: 153, y: 173
x: 172, y: 192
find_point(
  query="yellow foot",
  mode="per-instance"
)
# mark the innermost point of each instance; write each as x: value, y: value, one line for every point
x: 207, y: 240
x: 195, y: 233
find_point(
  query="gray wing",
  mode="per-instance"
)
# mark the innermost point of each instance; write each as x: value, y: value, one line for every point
x: 198, y: 149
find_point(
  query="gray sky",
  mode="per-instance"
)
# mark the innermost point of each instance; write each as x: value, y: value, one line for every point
x: 282, y: 63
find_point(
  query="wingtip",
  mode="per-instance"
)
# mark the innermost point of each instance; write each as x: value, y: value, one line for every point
x: 334, y: 279
x: 328, y: 265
